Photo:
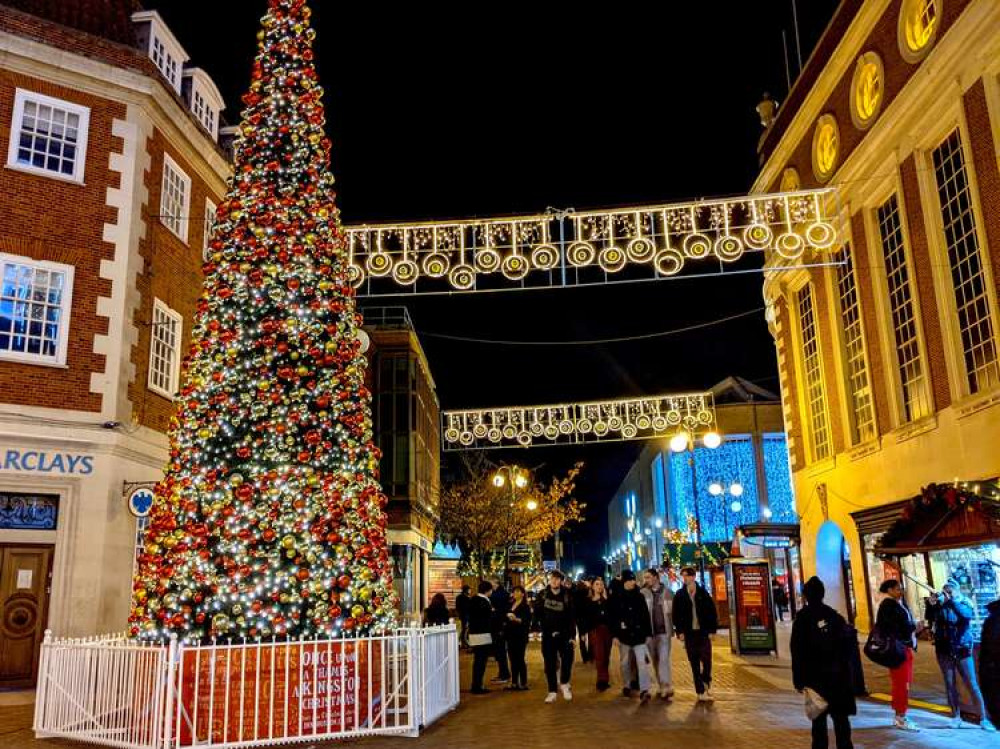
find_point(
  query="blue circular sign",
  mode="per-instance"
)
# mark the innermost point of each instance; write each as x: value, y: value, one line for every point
x: 140, y: 502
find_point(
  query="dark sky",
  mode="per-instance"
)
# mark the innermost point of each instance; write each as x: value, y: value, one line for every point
x: 498, y: 108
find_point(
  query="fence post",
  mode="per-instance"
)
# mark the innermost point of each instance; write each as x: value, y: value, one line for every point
x: 417, y: 686
x: 171, y: 684
x: 42, y: 689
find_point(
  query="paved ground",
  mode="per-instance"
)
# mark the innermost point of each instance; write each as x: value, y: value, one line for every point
x: 755, y: 709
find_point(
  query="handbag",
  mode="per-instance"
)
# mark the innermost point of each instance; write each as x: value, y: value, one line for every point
x: 814, y: 703
x: 884, y: 649
x: 485, y: 638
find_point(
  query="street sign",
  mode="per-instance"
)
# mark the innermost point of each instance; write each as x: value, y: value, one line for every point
x: 140, y: 501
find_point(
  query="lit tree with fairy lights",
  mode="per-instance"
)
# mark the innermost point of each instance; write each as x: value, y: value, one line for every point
x: 269, y: 521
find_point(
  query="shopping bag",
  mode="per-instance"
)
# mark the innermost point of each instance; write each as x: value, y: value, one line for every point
x: 479, y: 640
x: 883, y: 649
x: 814, y: 703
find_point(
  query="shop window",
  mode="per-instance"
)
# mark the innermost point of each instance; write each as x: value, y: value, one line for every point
x: 48, y: 136
x: 867, y: 90
x: 28, y: 512
x: 862, y: 422
x: 972, y: 303
x: 825, y: 147
x: 164, y: 350
x: 818, y: 419
x: 175, y: 198
x: 919, y: 21
x: 35, y: 303
x: 909, y: 360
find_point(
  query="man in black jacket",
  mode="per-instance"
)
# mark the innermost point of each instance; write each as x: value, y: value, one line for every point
x: 695, y: 621
x: 631, y: 626
x: 462, y: 609
x: 554, y: 614
x: 480, y: 637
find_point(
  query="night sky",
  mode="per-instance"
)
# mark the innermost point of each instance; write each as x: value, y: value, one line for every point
x: 513, y: 107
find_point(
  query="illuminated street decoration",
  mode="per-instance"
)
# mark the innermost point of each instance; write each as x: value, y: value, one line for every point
x: 569, y: 248
x: 570, y: 423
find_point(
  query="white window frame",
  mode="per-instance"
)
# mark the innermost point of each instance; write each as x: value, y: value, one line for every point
x: 179, y: 228
x: 66, y: 305
x: 210, y: 209
x: 814, y: 421
x: 159, y: 308
x: 22, y: 97
x: 170, y: 66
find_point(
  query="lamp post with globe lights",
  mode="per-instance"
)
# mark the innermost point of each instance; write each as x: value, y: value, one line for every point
x: 684, y: 441
x: 517, y: 479
x: 734, y: 490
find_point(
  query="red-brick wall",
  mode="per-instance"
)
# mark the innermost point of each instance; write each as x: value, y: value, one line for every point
x: 922, y: 278
x: 171, y: 273
x: 51, y: 219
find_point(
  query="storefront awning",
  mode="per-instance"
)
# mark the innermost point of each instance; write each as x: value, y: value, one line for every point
x: 941, y: 517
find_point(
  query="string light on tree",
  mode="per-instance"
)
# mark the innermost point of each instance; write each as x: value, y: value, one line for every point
x: 270, y: 521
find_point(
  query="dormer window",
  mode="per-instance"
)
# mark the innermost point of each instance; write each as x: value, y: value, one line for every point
x: 204, y: 113
x: 162, y: 47
x: 203, y: 98
x: 165, y: 61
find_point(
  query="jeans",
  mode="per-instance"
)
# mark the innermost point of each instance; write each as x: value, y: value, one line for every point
x: 600, y: 647
x: 841, y: 731
x: 699, y: 652
x: 500, y: 652
x: 518, y: 666
x: 659, y: 656
x: 557, y: 652
x: 634, y: 659
x: 952, y: 668
x: 480, y: 656
x: 901, y: 677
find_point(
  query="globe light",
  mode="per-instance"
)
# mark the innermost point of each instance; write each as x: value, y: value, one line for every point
x: 520, y: 481
x: 736, y: 489
x: 715, y: 488
x: 679, y: 442
x: 659, y: 522
x: 736, y: 506
x: 531, y: 505
x: 711, y: 440
x: 767, y: 513
x: 649, y: 531
x: 498, y: 480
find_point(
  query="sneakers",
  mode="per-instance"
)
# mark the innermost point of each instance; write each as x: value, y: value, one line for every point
x: 566, y: 692
x: 499, y: 680
x: 551, y: 697
x: 666, y: 692
x: 703, y: 697
x: 986, y: 725
x: 643, y: 698
x: 956, y: 722
x: 709, y: 695
x: 905, y: 724
x: 627, y: 692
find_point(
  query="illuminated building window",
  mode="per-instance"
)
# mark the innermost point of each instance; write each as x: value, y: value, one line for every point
x: 866, y: 90
x: 790, y: 181
x: 912, y: 377
x: 165, y: 350
x: 918, y: 25
x: 35, y: 303
x: 968, y: 276
x: 818, y: 419
x: 780, y: 497
x: 855, y: 364
x: 175, y: 198
x: 825, y: 147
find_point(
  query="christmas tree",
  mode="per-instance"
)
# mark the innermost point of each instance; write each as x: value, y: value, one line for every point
x: 269, y: 520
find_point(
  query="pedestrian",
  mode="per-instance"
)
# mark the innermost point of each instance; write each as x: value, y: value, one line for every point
x: 462, y: 609
x: 989, y: 660
x: 516, y: 636
x: 950, y: 616
x: 599, y: 635
x: 660, y: 602
x: 554, y: 612
x: 820, y: 645
x: 894, y: 620
x: 630, y: 624
x: 500, y: 599
x: 581, y: 593
x: 780, y: 597
x: 480, y: 634
x: 695, y: 621
x: 437, y: 613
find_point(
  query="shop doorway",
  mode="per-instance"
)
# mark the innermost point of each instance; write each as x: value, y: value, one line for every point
x: 25, y: 573
x: 833, y: 567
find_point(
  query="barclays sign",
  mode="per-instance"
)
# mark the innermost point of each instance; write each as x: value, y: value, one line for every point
x: 41, y: 461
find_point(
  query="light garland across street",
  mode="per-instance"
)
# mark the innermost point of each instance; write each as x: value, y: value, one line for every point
x: 569, y: 248
x: 570, y: 423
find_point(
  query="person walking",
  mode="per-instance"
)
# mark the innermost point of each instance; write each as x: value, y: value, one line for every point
x: 630, y: 624
x: 437, y: 613
x: 780, y: 597
x: 516, y: 635
x: 554, y: 612
x: 462, y: 610
x: 581, y: 593
x: 480, y: 634
x: 695, y: 621
x: 950, y: 616
x: 820, y: 646
x: 989, y: 660
x: 660, y: 602
x: 895, y: 620
x: 599, y: 636
x: 500, y: 599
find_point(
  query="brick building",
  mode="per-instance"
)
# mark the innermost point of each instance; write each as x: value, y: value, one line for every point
x: 888, y: 359
x: 111, y: 175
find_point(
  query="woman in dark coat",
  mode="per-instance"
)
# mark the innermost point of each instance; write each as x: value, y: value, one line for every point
x: 516, y: 634
x: 895, y: 620
x: 821, y: 642
x: 989, y: 661
x: 437, y: 613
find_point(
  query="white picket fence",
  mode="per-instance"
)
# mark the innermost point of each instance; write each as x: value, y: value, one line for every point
x: 112, y: 691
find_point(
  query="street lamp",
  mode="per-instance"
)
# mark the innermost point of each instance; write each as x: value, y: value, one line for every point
x: 531, y: 505
x: 684, y: 441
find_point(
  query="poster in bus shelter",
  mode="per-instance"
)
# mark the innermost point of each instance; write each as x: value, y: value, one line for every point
x: 751, y: 609
x: 262, y: 691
